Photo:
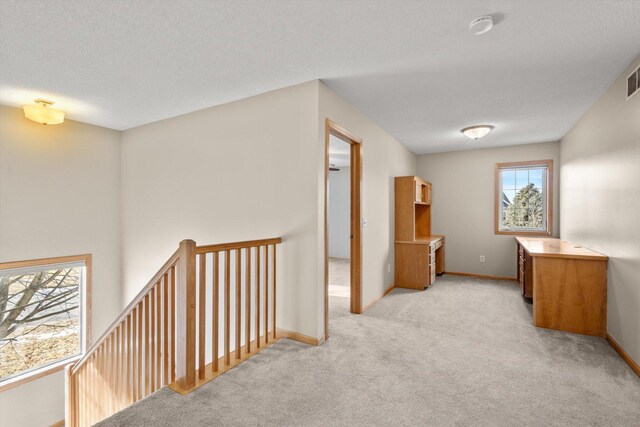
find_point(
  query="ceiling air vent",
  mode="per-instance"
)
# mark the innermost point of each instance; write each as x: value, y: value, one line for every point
x: 633, y: 83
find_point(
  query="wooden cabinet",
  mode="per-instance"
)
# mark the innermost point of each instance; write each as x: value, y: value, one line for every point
x: 525, y: 272
x: 568, y: 285
x: 419, y: 255
x: 423, y: 191
x: 412, y: 208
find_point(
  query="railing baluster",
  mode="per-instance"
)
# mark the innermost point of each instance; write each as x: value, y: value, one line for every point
x: 134, y: 353
x: 70, y: 402
x: 258, y: 297
x: 96, y: 383
x: 159, y: 356
x: 266, y: 294
x: 129, y: 362
x: 83, y: 395
x: 147, y: 351
x: 92, y: 396
x: 202, y: 299
x: 216, y: 310
x: 87, y: 391
x: 105, y: 381
x: 273, y: 280
x: 165, y: 328
x: 96, y: 404
x: 117, y: 360
x: 227, y: 306
x: 122, y: 360
x: 140, y: 354
x: 247, y: 299
x: 123, y: 363
x: 172, y: 285
x: 152, y: 339
x: 112, y: 373
x: 126, y: 383
x: 238, y: 304
x: 153, y: 343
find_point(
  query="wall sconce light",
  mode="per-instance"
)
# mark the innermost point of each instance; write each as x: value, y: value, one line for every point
x: 42, y: 113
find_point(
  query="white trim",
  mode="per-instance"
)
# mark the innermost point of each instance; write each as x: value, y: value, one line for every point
x: 41, y: 267
x: 6, y: 383
x: 545, y: 198
x: 82, y: 314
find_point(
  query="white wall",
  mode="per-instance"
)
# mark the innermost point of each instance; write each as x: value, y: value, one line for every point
x: 463, y: 205
x: 253, y: 169
x: 383, y: 158
x: 238, y: 171
x: 600, y: 201
x: 59, y: 195
x: 338, y: 213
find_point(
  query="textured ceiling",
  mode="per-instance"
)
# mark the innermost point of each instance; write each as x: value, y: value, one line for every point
x: 411, y: 66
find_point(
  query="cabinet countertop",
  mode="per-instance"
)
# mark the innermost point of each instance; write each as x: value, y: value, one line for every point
x: 557, y: 248
x: 422, y: 241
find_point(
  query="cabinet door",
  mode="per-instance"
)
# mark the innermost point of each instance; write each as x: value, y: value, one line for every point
x: 432, y: 264
x: 527, y: 273
x: 412, y: 266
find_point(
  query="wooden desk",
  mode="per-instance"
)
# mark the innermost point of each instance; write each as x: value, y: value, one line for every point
x: 568, y: 284
x: 418, y: 262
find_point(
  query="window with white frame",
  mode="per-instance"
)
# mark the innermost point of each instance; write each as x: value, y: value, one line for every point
x: 523, y: 198
x: 43, y: 316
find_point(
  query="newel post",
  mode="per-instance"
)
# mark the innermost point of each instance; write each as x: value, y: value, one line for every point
x: 186, y: 316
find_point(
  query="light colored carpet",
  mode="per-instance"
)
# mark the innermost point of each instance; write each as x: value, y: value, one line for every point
x: 339, y: 277
x: 463, y: 352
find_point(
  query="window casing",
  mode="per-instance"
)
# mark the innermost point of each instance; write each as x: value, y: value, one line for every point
x: 44, y: 316
x: 523, y: 198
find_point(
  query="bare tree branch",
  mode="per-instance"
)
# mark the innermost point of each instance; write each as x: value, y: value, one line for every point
x: 44, y: 295
x: 46, y: 316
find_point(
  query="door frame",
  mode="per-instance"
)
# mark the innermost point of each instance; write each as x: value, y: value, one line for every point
x: 355, y: 194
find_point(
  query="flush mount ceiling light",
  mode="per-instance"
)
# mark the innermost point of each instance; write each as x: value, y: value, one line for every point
x: 481, y: 25
x: 42, y: 113
x: 477, y: 132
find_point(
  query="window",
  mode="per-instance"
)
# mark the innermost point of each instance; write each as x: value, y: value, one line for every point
x: 43, y: 316
x: 523, y: 201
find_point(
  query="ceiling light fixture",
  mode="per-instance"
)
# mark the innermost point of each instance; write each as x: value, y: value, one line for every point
x: 41, y: 113
x: 477, y: 132
x: 481, y: 25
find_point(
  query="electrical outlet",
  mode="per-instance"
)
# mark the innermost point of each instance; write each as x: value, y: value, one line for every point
x: 388, y: 268
x: 481, y: 258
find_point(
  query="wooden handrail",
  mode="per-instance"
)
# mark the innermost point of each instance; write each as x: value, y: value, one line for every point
x: 237, y: 245
x: 153, y: 343
x: 170, y: 262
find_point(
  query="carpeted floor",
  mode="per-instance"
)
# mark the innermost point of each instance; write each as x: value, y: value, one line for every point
x: 463, y: 352
x: 339, y: 277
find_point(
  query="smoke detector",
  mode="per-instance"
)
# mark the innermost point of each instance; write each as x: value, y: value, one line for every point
x: 481, y: 25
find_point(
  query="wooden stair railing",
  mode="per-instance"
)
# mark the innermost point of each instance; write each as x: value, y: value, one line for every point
x: 177, y: 331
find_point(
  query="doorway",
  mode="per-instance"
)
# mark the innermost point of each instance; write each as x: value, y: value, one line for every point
x: 343, y: 150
